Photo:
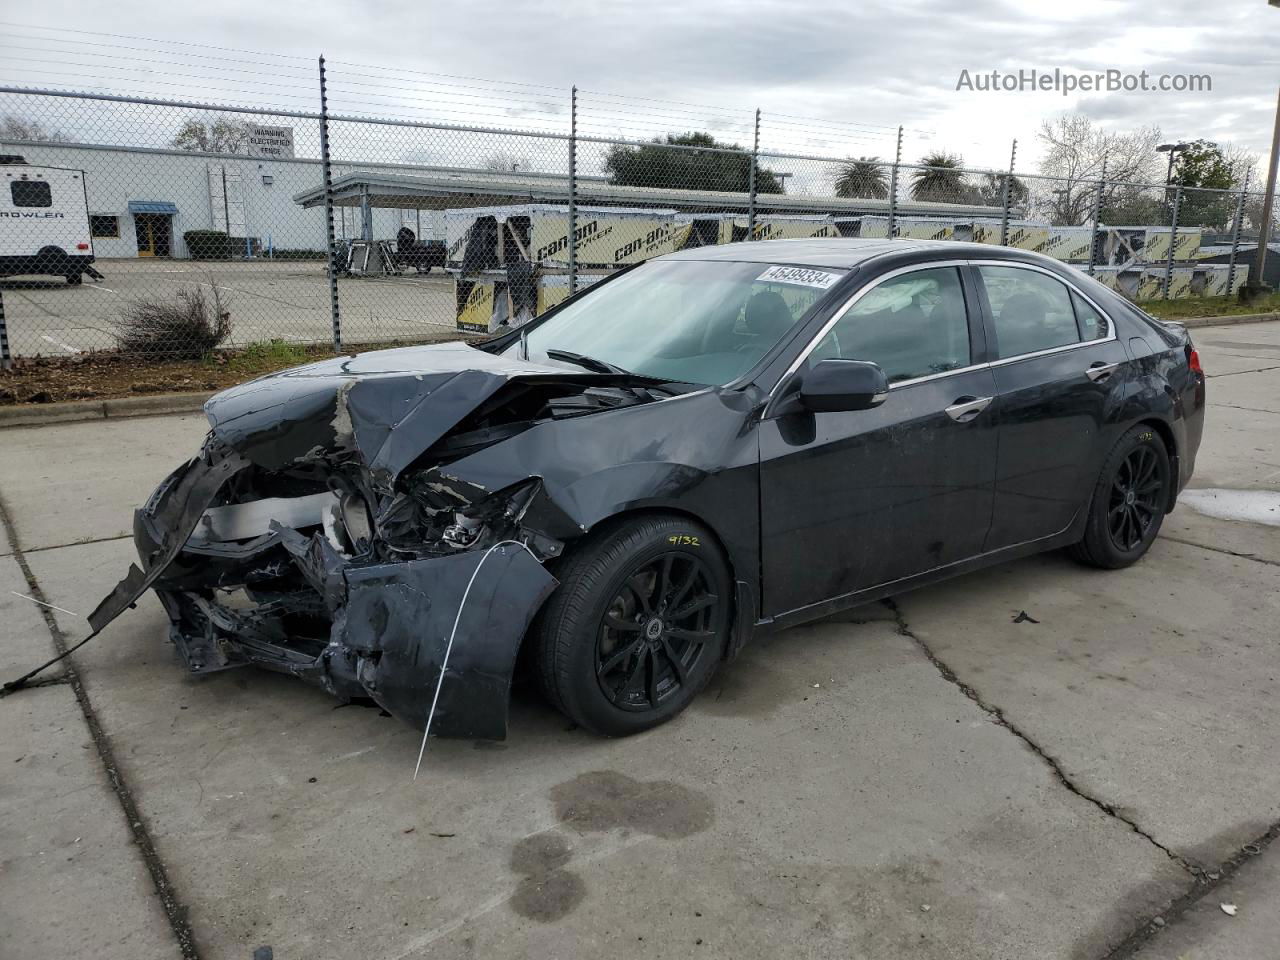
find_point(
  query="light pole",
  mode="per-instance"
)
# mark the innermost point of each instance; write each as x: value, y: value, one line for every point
x: 1172, y: 149
x: 1065, y: 213
x: 1257, y: 286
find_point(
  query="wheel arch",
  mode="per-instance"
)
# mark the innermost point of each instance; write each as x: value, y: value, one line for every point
x: 1165, y: 433
x: 743, y: 612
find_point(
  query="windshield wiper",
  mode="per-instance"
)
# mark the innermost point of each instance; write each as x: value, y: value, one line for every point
x: 591, y: 363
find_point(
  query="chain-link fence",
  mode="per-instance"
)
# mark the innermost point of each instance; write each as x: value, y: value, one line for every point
x: 173, y: 228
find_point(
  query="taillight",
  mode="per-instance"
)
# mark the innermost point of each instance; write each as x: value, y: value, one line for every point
x: 82, y: 246
x: 1193, y: 360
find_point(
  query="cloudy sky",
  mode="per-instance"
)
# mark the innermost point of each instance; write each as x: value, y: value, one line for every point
x: 829, y: 78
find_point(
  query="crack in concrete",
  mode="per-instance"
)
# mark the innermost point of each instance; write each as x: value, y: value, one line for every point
x: 79, y: 543
x: 1204, y: 880
x: 1205, y: 884
x: 175, y: 911
x: 1230, y: 553
x: 1236, y: 406
x: 1237, y: 373
x: 998, y: 715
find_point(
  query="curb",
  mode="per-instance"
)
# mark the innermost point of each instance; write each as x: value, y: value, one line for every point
x: 1227, y: 321
x: 39, y: 414
x: 159, y: 404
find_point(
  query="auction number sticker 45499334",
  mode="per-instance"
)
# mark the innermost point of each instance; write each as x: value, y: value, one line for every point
x: 801, y: 276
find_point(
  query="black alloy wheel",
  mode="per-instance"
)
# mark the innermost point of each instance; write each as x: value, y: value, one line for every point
x: 638, y: 624
x: 1129, y: 501
x: 655, y: 630
x: 1137, y: 498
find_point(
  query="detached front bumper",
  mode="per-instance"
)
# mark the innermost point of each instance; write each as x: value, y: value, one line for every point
x: 289, y: 600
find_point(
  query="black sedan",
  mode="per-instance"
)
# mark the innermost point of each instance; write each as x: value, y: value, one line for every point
x: 717, y: 442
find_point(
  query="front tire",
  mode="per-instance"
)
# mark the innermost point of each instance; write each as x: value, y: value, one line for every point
x: 637, y: 626
x: 1129, y: 501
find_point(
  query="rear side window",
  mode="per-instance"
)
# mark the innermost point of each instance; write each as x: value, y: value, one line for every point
x: 1032, y: 311
x: 1092, y: 324
x: 30, y: 193
x: 912, y: 325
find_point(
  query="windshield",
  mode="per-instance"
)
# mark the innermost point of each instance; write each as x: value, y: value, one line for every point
x: 693, y: 321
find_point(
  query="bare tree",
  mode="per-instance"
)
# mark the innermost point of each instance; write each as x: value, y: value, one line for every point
x: 1241, y: 160
x: 14, y: 127
x: 503, y: 162
x: 1075, y: 151
x: 220, y: 136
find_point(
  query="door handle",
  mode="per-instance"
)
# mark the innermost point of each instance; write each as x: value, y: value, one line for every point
x: 967, y: 408
x: 1100, y: 371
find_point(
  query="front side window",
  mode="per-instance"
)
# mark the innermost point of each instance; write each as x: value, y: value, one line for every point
x: 1032, y: 311
x: 913, y: 325
x: 692, y: 321
x: 30, y: 193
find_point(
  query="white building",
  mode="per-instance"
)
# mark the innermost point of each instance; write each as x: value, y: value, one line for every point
x: 142, y: 200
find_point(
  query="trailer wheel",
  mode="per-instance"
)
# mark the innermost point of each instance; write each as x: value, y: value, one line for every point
x: 53, y: 261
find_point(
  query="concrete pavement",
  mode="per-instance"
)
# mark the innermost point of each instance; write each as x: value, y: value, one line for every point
x: 267, y: 300
x: 929, y: 779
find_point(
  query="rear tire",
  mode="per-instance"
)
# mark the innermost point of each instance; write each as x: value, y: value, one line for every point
x: 1129, y: 502
x: 637, y: 626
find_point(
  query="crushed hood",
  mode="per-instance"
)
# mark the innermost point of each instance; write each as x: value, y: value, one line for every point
x: 386, y: 406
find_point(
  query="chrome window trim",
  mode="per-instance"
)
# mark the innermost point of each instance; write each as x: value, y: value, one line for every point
x: 1004, y: 361
x: 1072, y: 288
x: 850, y: 303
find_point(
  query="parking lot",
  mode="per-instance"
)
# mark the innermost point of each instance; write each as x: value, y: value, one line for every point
x: 1036, y: 761
x: 267, y: 300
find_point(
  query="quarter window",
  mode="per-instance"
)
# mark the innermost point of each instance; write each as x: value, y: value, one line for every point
x: 1032, y: 311
x: 30, y: 193
x: 912, y: 325
x: 1092, y: 324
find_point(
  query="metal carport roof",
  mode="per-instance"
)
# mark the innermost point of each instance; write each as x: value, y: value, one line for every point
x: 443, y: 191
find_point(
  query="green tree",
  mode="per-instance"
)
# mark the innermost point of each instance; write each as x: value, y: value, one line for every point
x: 863, y: 177
x: 220, y: 136
x: 716, y: 166
x: 940, y: 179
x: 1203, y: 164
x: 1134, y: 206
x: 991, y: 190
x: 1205, y: 174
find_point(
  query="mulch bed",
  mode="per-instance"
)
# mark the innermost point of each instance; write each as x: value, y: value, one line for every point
x: 108, y: 375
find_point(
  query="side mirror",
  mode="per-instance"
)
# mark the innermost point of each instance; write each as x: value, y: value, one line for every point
x: 834, y: 386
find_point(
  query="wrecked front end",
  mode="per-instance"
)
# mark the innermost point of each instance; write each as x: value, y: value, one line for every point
x: 288, y: 572
x: 320, y: 533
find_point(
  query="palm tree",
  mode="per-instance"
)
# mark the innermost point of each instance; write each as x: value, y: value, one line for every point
x: 941, y: 179
x: 863, y: 177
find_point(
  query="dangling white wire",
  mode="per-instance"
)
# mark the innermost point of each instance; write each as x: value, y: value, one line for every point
x: 449, y: 647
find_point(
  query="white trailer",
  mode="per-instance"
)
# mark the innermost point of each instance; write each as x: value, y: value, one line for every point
x: 44, y: 222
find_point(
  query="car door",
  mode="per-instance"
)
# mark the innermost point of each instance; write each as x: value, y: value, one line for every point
x: 1057, y: 367
x: 854, y: 499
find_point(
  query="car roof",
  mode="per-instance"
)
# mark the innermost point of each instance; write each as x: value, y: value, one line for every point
x: 848, y: 252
